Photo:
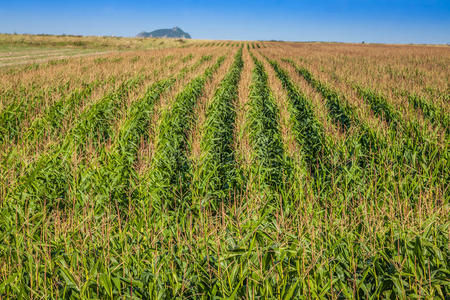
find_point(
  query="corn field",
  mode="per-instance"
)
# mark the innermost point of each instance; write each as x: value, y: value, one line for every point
x: 227, y: 170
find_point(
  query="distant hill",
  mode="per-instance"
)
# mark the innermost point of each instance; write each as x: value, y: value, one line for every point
x: 175, y: 32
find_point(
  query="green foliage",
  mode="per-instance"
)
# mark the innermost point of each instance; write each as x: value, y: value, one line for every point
x: 408, y: 142
x: 418, y: 147
x: 52, y: 119
x: 338, y: 110
x: 308, y: 130
x: 95, y: 123
x: 116, y: 177
x: 343, y: 114
x: 46, y: 180
x: 218, y: 174
x: 82, y: 222
x: 188, y: 57
x: 171, y: 174
x: 271, y: 164
x: 380, y: 106
x: 431, y: 111
x: 16, y: 112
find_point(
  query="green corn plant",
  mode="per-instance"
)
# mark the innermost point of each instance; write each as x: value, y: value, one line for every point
x: 13, y: 115
x: 380, y: 106
x: 170, y: 175
x: 309, y: 131
x: 339, y: 110
x: 188, y: 57
x: 417, y: 138
x: 343, y: 114
x: 115, y: 178
x: 47, y: 179
x: 83, y: 227
x: 271, y: 162
x: 412, y: 145
x: 430, y: 111
x: 26, y: 100
x: 51, y: 121
x: 94, y: 125
x: 218, y: 174
x: 408, y: 142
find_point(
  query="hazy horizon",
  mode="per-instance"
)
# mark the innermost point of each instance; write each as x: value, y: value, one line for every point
x: 417, y: 22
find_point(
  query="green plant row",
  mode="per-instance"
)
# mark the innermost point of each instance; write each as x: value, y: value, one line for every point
x: 345, y: 166
x: 25, y: 100
x: 380, y: 106
x: 417, y: 138
x: 308, y: 130
x: 430, y: 111
x: 33, y: 91
x: 344, y: 114
x: 408, y: 143
x: 354, y: 241
x: 115, y: 179
x: 339, y: 111
x: 188, y: 57
x: 52, y: 119
x: 40, y: 177
x: 218, y: 172
x: 95, y: 123
x: 11, y: 118
x: 48, y: 178
x: 170, y: 171
x: 362, y: 156
x: 46, y: 181
x: 413, y: 146
x: 14, y: 114
x: 271, y: 165
x: 202, y: 60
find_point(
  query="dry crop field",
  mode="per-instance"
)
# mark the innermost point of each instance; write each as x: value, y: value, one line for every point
x: 227, y: 170
x: 32, y: 50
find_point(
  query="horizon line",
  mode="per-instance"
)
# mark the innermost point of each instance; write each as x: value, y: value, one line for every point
x: 231, y: 40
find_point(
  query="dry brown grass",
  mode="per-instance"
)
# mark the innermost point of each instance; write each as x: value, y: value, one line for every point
x: 82, y: 42
x: 37, y: 50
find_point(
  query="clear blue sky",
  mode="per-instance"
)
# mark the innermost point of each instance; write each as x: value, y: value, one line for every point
x: 389, y: 21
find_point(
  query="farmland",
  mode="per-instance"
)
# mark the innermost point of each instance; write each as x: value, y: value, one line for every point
x: 33, y: 50
x: 218, y: 169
